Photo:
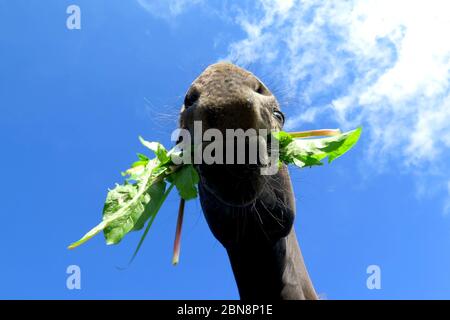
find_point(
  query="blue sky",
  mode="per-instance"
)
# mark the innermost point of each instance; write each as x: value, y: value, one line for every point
x: 73, y: 102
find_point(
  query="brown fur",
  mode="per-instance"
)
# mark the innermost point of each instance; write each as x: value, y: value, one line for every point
x: 250, y: 214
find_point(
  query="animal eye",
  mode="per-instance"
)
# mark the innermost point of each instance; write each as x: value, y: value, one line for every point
x: 279, y: 115
x: 191, y: 97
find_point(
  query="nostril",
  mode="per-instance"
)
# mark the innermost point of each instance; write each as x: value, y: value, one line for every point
x: 260, y: 89
x: 191, y: 97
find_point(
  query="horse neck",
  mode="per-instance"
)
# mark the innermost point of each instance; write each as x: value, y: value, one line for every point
x: 271, y: 270
x: 260, y: 238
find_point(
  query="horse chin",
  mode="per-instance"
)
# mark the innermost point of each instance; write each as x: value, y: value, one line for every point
x: 234, y: 186
x: 231, y: 200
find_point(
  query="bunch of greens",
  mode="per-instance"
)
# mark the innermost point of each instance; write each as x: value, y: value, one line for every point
x: 128, y: 207
x: 310, y: 152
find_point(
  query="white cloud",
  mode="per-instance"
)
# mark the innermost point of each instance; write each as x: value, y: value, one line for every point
x: 447, y: 201
x: 383, y: 64
x: 306, y: 117
x: 167, y: 9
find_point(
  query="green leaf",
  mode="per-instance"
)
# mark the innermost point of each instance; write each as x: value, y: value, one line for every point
x: 310, y: 152
x: 139, y: 163
x: 349, y: 139
x: 186, y: 180
x: 143, y: 160
x: 125, y: 204
x: 130, y: 205
x: 150, y: 222
x: 156, y: 193
x: 117, y: 199
x: 158, y: 149
x: 143, y: 157
x: 137, y: 202
x: 284, y: 138
x: 94, y: 231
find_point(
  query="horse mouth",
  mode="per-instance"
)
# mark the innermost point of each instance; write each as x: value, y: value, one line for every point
x: 232, y: 185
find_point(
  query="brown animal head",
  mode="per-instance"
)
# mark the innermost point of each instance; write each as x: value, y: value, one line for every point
x: 251, y: 214
x: 224, y: 97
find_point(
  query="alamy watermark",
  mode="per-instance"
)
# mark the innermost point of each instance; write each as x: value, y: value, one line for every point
x: 73, y: 21
x: 73, y: 281
x: 236, y: 146
x: 374, y: 280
